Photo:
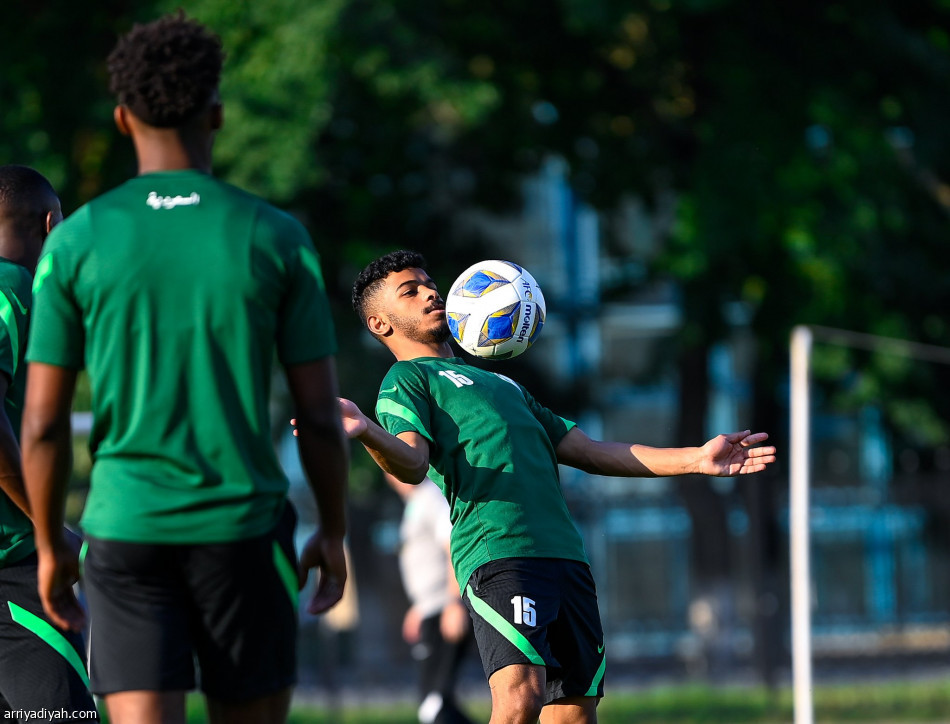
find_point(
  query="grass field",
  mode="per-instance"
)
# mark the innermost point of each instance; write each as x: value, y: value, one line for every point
x: 868, y: 703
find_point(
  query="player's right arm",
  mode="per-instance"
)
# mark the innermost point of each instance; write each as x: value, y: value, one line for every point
x: 405, y: 456
x: 324, y: 455
x: 47, y: 463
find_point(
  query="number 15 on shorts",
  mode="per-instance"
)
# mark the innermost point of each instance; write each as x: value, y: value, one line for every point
x: 524, y: 611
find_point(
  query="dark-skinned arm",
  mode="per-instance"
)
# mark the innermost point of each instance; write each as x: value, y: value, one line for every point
x: 324, y: 455
x: 11, y: 470
x: 47, y: 461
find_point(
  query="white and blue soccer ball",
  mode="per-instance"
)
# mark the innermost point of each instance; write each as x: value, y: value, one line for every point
x: 495, y: 309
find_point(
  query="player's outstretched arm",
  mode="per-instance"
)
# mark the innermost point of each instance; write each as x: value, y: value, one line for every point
x: 325, y: 457
x: 47, y: 459
x: 406, y: 457
x: 723, y: 456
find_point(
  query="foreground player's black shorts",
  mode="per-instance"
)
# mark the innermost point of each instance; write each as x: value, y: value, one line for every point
x: 540, y: 611
x: 42, y: 667
x: 231, y: 606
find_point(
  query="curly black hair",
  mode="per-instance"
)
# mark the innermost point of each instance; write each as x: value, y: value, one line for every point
x: 371, y: 278
x: 167, y: 71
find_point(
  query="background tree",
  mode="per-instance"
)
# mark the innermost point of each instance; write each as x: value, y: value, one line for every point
x: 805, y: 145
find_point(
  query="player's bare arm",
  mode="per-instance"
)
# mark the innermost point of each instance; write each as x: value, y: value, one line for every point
x: 405, y: 456
x: 11, y: 472
x: 324, y: 455
x: 737, y: 453
x: 47, y: 461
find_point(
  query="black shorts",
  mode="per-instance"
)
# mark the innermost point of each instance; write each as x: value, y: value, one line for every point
x: 540, y: 611
x: 155, y: 608
x: 42, y: 667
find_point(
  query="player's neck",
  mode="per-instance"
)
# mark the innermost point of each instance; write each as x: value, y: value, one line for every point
x: 167, y: 150
x: 407, y: 349
x: 14, y: 251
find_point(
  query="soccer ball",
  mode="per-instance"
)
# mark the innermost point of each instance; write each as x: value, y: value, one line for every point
x: 495, y: 309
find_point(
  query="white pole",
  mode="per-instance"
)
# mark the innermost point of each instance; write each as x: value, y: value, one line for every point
x: 801, y: 345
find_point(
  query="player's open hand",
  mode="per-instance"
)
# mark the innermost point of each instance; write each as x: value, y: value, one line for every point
x: 57, y: 571
x: 735, y: 454
x: 326, y: 556
x: 354, y: 421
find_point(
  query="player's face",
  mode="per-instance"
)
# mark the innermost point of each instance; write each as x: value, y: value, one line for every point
x: 415, y: 308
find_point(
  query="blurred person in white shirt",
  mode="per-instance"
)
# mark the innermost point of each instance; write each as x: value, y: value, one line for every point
x: 437, y: 625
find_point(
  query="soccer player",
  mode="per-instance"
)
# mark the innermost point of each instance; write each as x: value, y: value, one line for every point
x: 41, y: 665
x: 174, y: 291
x: 518, y: 556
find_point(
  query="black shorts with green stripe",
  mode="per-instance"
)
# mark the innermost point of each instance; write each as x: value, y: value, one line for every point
x: 540, y: 611
x: 42, y: 667
x: 155, y: 609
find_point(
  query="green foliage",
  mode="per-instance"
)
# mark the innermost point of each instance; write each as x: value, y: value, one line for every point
x: 804, y: 145
x: 275, y: 88
x: 56, y: 114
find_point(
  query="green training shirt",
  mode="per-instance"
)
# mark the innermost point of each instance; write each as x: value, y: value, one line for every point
x: 16, y: 530
x: 492, y: 453
x: 174, y: 291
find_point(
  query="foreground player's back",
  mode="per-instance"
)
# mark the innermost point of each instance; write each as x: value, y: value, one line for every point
x: 184, y: 287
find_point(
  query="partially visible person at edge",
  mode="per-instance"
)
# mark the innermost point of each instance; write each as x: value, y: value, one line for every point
x: 495, y: 451
x: 42, y: 666
x: 174, y: 291
x: 436, y: 625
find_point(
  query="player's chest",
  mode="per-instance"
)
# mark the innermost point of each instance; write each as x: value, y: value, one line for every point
x: 476, y: 395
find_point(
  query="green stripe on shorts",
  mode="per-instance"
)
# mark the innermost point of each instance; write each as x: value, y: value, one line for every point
x: 33, y: 623
x: 597, y: 678
x: 288, y: 575
x: 496, y: 621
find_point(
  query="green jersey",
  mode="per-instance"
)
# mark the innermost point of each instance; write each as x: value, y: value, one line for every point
x: 174, y: 291
x: 16, y: 530
x: 492, y: 451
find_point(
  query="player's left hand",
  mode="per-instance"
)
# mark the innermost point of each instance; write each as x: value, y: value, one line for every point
x: 734, y: 454
x: 326, y: 556
x: 57, y: 571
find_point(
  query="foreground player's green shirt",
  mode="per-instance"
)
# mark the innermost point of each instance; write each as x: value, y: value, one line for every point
x: 16, y: 530
x: 174, y: 291
x: 492, y: 450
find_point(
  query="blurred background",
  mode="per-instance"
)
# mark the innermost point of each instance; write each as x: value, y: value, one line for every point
x: 687, y: 180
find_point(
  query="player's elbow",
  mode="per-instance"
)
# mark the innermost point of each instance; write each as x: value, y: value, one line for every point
x: 37, y: 428
x: 418, y: 473
x: 411, y: 471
